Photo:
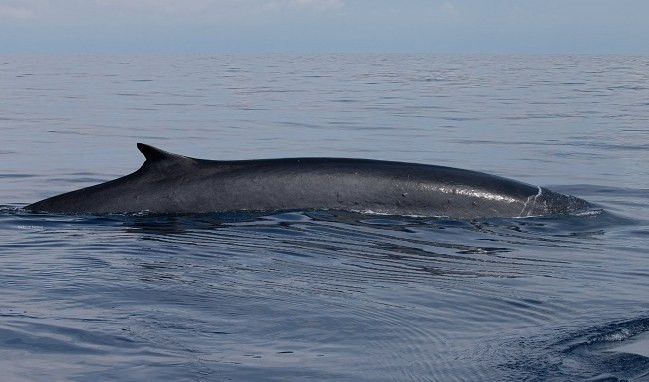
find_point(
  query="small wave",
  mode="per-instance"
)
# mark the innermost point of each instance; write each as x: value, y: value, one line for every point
x: 606, y: 335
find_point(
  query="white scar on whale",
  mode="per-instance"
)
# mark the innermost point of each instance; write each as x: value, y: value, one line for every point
x: 531, y: 199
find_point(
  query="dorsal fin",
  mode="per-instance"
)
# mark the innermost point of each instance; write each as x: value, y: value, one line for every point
x: 154, y: 154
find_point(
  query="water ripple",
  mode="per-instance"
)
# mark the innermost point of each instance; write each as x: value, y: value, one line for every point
x: 325, y: 295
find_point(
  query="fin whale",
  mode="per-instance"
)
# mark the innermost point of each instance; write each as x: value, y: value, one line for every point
x: 172, y: 183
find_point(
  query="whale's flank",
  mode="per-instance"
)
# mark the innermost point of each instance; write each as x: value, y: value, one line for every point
x: 172, y: 183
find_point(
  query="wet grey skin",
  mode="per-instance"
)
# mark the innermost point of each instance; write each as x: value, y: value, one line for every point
x: 171, y: 183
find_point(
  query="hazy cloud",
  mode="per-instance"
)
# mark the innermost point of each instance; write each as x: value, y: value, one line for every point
x: 319, y: 4
x: 79, y: 11
x: 14, y: 12
x: 442, y: 26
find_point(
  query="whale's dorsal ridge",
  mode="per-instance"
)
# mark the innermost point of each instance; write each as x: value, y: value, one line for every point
x: 155, y: 155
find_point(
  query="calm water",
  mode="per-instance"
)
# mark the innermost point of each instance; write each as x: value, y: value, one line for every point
x: 326, y: 295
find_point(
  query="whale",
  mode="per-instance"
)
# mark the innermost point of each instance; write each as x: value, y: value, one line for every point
x: 169, y: 183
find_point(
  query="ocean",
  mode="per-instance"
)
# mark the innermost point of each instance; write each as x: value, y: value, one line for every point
x: 326, y: 295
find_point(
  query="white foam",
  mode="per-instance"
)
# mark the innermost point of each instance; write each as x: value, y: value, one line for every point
x: 638, y: 345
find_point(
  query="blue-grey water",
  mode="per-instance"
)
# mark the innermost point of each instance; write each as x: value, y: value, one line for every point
x: 325, y: 295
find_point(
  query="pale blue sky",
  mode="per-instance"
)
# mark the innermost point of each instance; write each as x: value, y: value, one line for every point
x: 311, y: 26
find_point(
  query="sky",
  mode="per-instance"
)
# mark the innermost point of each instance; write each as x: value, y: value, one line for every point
x: 325, y: 26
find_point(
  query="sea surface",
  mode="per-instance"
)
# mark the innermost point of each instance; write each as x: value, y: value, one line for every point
x: 326, y: 295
